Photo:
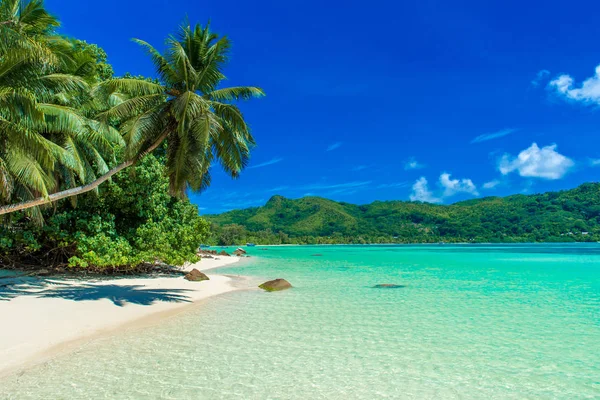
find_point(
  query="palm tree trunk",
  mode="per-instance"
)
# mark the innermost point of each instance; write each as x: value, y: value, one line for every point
x: 80, y: 189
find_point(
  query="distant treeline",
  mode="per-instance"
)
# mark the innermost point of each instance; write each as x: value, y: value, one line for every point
x: 565, y: 216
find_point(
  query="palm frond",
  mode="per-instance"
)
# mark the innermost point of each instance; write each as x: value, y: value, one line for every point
x: 235, y: 93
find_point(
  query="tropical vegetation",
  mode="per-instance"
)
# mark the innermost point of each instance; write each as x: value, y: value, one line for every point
x: 68, y: 129
x: 566, y: 216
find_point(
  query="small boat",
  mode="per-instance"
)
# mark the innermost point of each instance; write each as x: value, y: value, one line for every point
x: 250, y: 244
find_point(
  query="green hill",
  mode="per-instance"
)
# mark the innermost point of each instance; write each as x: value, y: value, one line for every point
x: 570, y: 215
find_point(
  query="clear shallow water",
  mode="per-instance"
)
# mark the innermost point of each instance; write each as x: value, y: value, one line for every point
x: 474, y: 322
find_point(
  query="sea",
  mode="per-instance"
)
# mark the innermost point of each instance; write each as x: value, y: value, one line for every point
x: 463, y: 322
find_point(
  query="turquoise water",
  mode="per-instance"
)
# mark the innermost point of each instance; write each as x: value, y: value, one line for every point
x: 473, y: 322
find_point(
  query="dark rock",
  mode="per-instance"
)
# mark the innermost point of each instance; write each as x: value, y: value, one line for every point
x: 224, y: 253
x: 196, y: 276
x: 388, y: 286
x: 317, y: 255
x: 207, y: 253
x: 240, y: 250
x: 275, y: 285
x: 42, y: 272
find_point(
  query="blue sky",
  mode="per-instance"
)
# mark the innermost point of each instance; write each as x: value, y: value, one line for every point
x: 426, y: 100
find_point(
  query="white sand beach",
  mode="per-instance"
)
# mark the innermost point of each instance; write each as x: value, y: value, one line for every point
x: 42, y: 319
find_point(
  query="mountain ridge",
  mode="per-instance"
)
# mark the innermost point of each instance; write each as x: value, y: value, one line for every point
x: 568, y: 215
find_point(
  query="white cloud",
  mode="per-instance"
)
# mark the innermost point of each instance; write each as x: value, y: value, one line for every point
x: 535, y: 162
x: 421, y: 192
x: 278, y: 189
x: 270, y: 162
x: 359, y: 168
x: 491, y: 184
x: 589, y: 92
x: 334, y: 146
x: 454, y: 186
x: 319, y: 186
x: 412, y: 163
x: 392, y: 185
x: 493, y: 135
x: 539, y: 77
x: 594, y: 162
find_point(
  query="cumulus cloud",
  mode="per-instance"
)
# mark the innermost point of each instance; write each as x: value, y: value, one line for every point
x: 539, y: 77
x: 451, y: 187
x: 589, y: 92
x: 535, y: 162
x: 412, y: 163
x: 454, y: 186
x: 491, y: 184
x: 421, y: 192
x: 334, y: 146
x: 493, y: 135
x: 594, y: 162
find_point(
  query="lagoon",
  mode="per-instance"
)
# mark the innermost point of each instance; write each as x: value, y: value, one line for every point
x: 471, y: 322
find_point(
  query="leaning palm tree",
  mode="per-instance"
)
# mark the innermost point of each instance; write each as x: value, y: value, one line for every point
x: 186, y: 107
x: 46, y: 142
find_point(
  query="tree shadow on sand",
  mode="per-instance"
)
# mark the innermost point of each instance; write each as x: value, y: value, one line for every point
x: 118, y: 294
x: 14, y: 287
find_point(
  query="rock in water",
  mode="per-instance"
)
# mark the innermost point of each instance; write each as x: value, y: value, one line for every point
x: 317, y: 255
x: 388, y: 286
x: 240, y: 250
x: 196, y: 276
x: 224, y: 253
x: 275, y: 285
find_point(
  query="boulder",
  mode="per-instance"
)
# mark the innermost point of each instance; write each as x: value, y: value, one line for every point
x: 275, y: 285
x: 388, y: 286
x: 240, y: 250
x: 317, y: 255
x: 224, y: 253
x: 42, y: 272
x: 207, y: 253
x: 196, y: 276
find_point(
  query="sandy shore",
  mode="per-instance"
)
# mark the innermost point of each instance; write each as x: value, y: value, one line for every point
x: 40, y: 317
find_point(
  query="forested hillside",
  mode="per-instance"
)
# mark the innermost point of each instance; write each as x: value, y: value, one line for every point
x: 571, y: 215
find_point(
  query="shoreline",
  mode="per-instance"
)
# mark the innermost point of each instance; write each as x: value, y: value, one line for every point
x: 45, y: 317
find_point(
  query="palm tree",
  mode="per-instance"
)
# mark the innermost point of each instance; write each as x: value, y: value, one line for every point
x: 45, y: 142
x: 185, y: 107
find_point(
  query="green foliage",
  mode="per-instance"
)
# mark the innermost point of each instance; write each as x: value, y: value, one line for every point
x: 48, y: 139
x: 186, y: 107
x: 64, y: 118
x: 65, y: 121
x: 572, y: 215
x: 99, y: 68
x: 132, y: 222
